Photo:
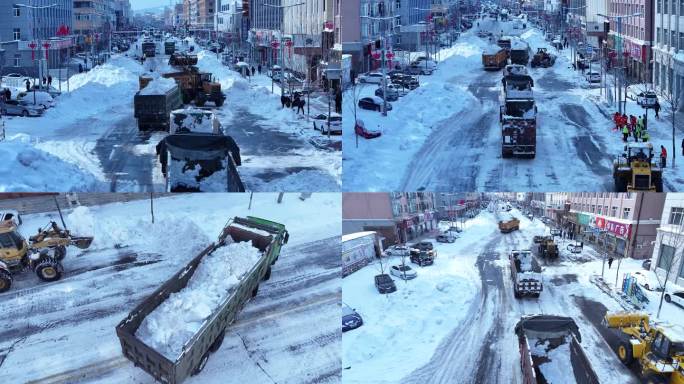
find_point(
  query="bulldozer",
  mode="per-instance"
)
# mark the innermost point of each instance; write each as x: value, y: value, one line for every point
x: 42, y: 253
x: 542, y: 59
x: 635, y: 170
x: 547, y: 248
x: 658, y: 349
x: 197, y: 86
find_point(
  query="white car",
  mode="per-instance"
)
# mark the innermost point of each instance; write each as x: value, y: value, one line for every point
x: 400, y: 91
x: 425, y: 63
x: 403, y: 272
x: 372, y: 77
x: 676, y: 297
x: 398, y: 250
x: 646, y: 280
x: 40, y: 98
x: 647, y: 99
x: 593, y: 77
x: 320, y: 123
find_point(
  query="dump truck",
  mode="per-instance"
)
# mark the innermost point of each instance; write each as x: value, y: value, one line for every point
x: 658, y: 349
x: 519, y: 52
x: 169, y: 47
x: 268, y: 237
x: 547, y: 249
x: 543, y: 59
x: 525, y: 273
x: 635, y: 169
x: 197, y: 86
x: 182, y: 59
x: 154, y: 102
x: 494, y: 59
x: 550, y: 348
x: 149, y: 48
x: 200, y: 162
x: 518, y: 116
x: 504, y: 43
x: 42, y: 253
x: 509, y: 226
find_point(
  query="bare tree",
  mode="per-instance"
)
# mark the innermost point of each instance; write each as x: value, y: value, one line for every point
x: 355, y: 93
x: 673, y: 100
x: 675, y: 239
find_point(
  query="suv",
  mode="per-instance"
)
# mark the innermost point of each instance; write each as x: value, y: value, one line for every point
x: 350, y: 318
x: 445, y: 238
x: 384, y: 283
x: 422, y: 253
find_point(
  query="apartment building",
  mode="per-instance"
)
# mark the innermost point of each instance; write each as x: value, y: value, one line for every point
x: 25, y: 32
x: 265, y: 27
x: 398, y: 216
x: 449, y: 205
x: 304, y: 23
x: 669, y: 245
x: 636, y: 38
x: 624, y: 223
x: 668, y: 71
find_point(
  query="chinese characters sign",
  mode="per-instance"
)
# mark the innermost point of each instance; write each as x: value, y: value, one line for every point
x: 618, y: 229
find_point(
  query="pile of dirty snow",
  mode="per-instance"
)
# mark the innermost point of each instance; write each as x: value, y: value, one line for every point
x: 558, y: 366
x: 177, y: 320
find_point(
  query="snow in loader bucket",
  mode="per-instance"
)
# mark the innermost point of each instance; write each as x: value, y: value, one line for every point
x: 172, y: 332
x: 550, y: 351
x: 200, y: 162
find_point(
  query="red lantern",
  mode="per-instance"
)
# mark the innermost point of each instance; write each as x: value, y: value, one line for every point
x: 275, y: 44
x: 329, y: 25
x: 376, y: 55
x: 46, y: 45
x: 33, y: 46
x: 389, y: 55
x: 288, y: 43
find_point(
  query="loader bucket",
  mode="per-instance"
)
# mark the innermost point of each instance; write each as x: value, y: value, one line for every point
x: 82, y: 242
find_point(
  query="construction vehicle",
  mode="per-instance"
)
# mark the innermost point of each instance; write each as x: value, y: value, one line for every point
x: 658, y: 349
x: 197, y: 86
x: 169, y: 47
x: 154, y: 102
x: 518, y: 116
x: 543, y: 59
x: 263, y: 234
x: 547, y: 249
x: 42, y: 253
x: 181, y: 59
x: 636, y: 171
x: 495, y: 59
x: 519, y: 52
x: 509, y: 226
x: 149, y: 48
x: 505, y: 43
x: 525, y: 273
x: 539, y: 238
x: 422, y: 253
x: 550, y: 348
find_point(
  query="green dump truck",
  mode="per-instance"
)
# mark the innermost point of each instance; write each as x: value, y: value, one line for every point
x: 169, y: 47
x: 152, y: 105
x: 265, y: 235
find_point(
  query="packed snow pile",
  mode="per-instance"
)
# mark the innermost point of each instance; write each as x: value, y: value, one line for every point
x: 158, y: 86
x: 111, y: 231
x: 23, y: 167
x: 194, y: 175
x: 178, y: 319
x: 556, y: 362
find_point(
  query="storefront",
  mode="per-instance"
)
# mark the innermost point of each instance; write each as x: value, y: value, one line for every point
x: 609, y: 235
x: 414, y: 226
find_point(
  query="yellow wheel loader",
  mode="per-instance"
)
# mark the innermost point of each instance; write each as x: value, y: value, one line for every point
x: 657, y: 348
x: 42, y: 253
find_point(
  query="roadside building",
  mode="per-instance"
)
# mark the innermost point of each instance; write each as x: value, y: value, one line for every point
x: 668, y: 253
x: 359, y: 249
x: 668, y: 48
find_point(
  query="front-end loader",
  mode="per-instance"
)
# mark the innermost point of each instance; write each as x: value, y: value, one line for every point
x: 636, y: 171
x: 658, y: 349
x: 42, y: 253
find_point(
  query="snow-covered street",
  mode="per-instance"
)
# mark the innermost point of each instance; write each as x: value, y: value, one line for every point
x: 446, y: 135
x: 65, y: 331
x: 90, y: 140
x: 455, y: 322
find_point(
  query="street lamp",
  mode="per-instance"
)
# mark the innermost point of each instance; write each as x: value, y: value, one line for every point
x: 619, y: 18
x: 382, y: 62
x: 282, y: 53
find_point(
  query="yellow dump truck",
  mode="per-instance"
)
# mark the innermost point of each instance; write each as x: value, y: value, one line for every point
x: 509, y: 226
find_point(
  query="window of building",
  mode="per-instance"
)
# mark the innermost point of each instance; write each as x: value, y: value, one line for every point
x: 17, y: 61
x: 665, y: 257
x: 625, y: 213
x: 599, y: 210
x: 16, y: 34
x: 613, y: 212
x: 16, y: 11
x: 593, y: 208
x: 676, y: 216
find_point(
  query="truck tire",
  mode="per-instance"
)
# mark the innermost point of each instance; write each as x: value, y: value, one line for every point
x: 218, y: 102
x: 667, y: 298
x: 217, y: 343
x: 202, y: 364
x: 5, y: 281
x: 255, y: 291
x: 268, y: 273
x: 49, y: 269
x: 658, y: 184
x: 654, y: 378
x: 60, y: 253
x: 624, y: 352
x: 516, y: 294
x: 200, y: 101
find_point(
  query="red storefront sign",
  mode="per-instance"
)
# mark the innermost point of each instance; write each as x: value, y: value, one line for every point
x: 617, y: 229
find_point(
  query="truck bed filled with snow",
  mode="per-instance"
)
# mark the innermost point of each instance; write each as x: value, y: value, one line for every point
x: 158, y: 86
x: 171, y: 325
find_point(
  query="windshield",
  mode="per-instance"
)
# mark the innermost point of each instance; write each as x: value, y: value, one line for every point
x: 403, y: 268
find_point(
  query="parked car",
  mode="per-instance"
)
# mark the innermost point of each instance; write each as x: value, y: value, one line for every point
x: 20, y: 108
x: 373, y: 103
x: 425, y: 63
x: 646, y: 264
x: 419, y: 69
x: 647, y: 99
x: 454, y: 229
x: 646, y: 280
x: 423, y: 246
x: 42, y: 99
x: 350, y: 318
x: 406, y: 81
x: 320, y: 123
x: 401, y: 91
x: 403, y: 272
x: 372, y: 77
x: 593, y: 77
x: 555, y: 232
x: 445, y: 238
x: 397, y: 250
x: 384, y: 283
x: 676, y: 297
x: 392, y: 94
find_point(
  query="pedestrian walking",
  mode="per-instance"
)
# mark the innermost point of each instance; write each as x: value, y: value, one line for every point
x: 259, y: 68
x: 8, y: 96
x: 610, y: 262
x: 28, y: 85
x: 682, y: 147
x: 633, y: 122
x: 663, y: 156
x: 49, y: 80
x: 616, y: 120
x: 253, y: 70
x: 645, y: 136
x: 300, y: 106
x: 625, y: 133
x: 80, y: 68
x: 656, y: 108
x: 637, y: 133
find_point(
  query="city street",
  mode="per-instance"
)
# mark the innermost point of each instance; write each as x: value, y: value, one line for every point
x: 446, y: 135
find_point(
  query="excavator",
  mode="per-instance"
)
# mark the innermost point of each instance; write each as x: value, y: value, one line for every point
x: 658, y: 349
x: 42, y: 253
